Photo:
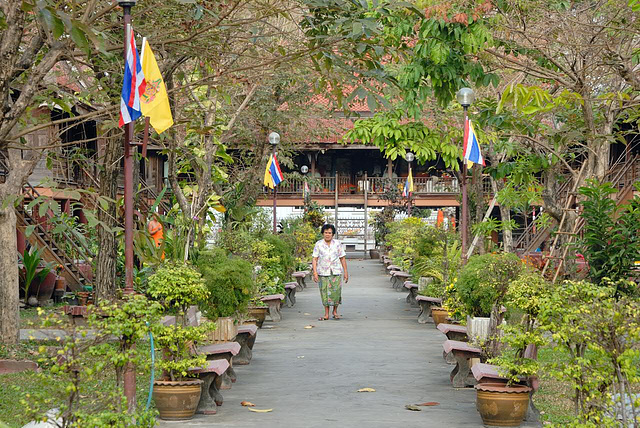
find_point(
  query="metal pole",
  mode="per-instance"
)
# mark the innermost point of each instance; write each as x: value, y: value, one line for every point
x: 275, y: 198
x: 409, y: 193
x: 130, y: 373
x: 463, y: 215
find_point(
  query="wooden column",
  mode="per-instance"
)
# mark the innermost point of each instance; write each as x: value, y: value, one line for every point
x: 366, y: 223
x: 336, y: 202
x: 390, y: 168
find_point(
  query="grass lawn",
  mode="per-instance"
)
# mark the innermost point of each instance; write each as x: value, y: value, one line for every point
x: 553, y: 398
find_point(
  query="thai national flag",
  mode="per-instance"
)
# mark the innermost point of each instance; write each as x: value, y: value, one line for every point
x: 133, y: 85
x: 276, y: 173
x: 472, y: 152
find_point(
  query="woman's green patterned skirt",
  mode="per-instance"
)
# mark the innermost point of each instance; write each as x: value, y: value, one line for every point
x: 331, y: 290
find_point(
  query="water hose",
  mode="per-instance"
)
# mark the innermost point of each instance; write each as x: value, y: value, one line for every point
x: 153, y: 361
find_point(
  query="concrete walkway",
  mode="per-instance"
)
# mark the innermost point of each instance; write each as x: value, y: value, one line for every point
x: 309, y: 377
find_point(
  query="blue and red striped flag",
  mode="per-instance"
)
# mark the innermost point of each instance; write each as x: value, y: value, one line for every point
x: 472, y: 152
x: 272, y: 173
x: 133, y: 85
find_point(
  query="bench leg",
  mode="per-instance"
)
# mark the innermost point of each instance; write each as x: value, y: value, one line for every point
x: 291, y: 297
x: 448, y: 357
x: 301, y: 284
x: 245, y: 354
x: 461, y: 374
x: 460, y: 337
x: 226, y: 381
x: 207, y: 404
x: 274, y: 311
x: 425, y: 311
x: 215, y: 392
x: 413, y: 293
x: 304, y: 283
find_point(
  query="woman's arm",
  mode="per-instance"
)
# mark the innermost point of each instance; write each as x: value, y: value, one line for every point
x: 343, y: 260
x: 315, y: 268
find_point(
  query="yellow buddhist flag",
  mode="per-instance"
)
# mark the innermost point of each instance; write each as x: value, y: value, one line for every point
x: 268, y: 179
x: 154, y: 103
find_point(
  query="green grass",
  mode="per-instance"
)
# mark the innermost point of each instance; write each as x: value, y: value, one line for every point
x: 29, y: 317
x: 553, y: 398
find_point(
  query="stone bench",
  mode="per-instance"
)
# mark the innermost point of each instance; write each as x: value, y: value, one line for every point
x: 398, y: 278
x: 211, y: 376
x: 300, y: 276
x: 412, y: 288
x: 223, y: 351
x: 461, y: 376
x: 246, y: 338
x: 425, y: 304
x: 273, y: 301
x: 290, y: 296
x: 453, y: 332
x: 391, y: 268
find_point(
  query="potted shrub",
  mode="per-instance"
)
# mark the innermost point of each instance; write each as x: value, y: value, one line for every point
x: 176, y: 287
x: 36, y: 275
x: 482, y: 285
x: 518, y: 360
x: 230, y: 285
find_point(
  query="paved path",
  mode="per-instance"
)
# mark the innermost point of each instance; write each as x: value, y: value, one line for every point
x: 309, y: 377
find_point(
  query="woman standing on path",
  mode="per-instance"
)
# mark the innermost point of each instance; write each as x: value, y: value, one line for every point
x: 329, y: 263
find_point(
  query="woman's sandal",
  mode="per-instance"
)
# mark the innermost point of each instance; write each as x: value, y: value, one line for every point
x: 323, y: 318
x: 337, y: 317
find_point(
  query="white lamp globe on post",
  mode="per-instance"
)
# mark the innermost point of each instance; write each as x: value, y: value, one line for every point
x: 465, y: 97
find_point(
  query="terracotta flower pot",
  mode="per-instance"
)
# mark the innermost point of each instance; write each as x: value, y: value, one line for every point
x: 501, y: 405
x: 177, y: 400
x: 61, y: 283
x: 439, y: 315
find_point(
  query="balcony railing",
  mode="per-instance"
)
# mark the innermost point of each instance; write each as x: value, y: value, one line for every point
x: 374, y: 185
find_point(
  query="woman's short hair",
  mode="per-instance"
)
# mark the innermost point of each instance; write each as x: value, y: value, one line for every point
x: 328, y: 226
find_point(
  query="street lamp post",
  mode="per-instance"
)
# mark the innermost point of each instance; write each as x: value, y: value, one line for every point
x: 304, y: 170
x: 129, y: 373
x: 409, y: 157
x: 465, y: 97
x: 274, y: 140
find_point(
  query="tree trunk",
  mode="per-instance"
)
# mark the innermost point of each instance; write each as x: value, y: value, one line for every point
x: 493, y: 344
x: 9, y: 310
x: 105, y: 284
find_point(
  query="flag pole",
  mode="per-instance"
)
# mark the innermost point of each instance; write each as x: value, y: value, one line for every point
x: 130, y: 373
x: 463, y: 215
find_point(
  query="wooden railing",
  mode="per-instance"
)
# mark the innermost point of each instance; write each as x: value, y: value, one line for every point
x: 373, y: 185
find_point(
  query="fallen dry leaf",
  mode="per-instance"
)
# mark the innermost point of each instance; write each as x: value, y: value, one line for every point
x: 247, y: 404
x: 309, y: 326
x: 307, y: 313
x: 260, y: 410
x: 429, y: 403
x: 366, y: 390
x: 412, y: 407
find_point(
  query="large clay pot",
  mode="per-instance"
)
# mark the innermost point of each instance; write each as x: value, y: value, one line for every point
x: 374, y: 253
x: 501, y: 405
x: 439, y: 315
x: 259, y: 313
x: 226, y: 330
x: 43, y: 290
x: 177, y: 400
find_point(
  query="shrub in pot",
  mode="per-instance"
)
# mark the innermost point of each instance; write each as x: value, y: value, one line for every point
x: 482, y: 285
x: 177, y: 286
x: 518, y: 360
x: 230, y: 285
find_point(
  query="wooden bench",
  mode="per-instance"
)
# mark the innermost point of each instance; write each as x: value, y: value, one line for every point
x: 461, y: 376
x: 453, y: 332
x: 300, y: 276
x: 398, y: 278
x: 211, y: 376
x: 290, y: 293
x: 223, y: 351
x: 246, y: 338
x: 274, y: 301
x: 412, y: 288
x: 425, y: 304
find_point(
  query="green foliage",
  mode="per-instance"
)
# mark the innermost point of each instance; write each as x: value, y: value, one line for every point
x: 177, y: 286
x: 439, y: 257
x: 610, y: 240
x: 33, y: 273
x: 82, y: 374
x: 402, y: 238
x: 177, y: 342
x: 600, y: 335
x: 381, y: 224
x: 484, y: 281
x: 229, y: 281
